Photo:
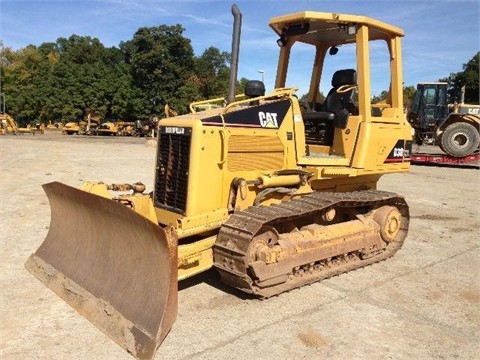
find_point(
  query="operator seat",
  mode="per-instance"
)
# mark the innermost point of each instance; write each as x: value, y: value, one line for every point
x: 336, y: 102
x: 334, y: 112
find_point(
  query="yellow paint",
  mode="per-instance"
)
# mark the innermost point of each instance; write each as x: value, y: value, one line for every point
x: 226, y: 161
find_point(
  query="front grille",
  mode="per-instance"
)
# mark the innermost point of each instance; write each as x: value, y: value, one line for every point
x: 173, y: 160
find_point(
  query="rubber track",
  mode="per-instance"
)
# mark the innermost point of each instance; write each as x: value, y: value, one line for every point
x: 233, y: 241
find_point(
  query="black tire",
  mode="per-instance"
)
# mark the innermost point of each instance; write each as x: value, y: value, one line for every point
x: 440, y: 144
x: 460, y: 139
x: 418, y: 138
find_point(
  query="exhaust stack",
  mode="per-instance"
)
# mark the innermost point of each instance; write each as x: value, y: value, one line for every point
x: 237, y: 25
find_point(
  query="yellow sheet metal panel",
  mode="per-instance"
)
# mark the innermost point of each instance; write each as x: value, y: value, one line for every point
x: 255, y: 161
x: 195, y: 258
x: 249, y: 143
x: 206, y: 173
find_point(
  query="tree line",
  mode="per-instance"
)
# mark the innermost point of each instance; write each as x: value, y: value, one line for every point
x: 468, y: 77
x: 64, y: 80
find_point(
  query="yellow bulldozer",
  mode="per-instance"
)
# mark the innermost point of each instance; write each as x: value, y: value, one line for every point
x: 85, y: 126
x: 273, y: 194
x: 8, y: 125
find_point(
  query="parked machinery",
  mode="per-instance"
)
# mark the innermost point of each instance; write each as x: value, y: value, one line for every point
x: 73, y: 128
x: 242, y: 188
x: 81, y: 127
x: 146, y: 127
x: 454, y: 127
x: 8, y: 125
x: 107, y: 128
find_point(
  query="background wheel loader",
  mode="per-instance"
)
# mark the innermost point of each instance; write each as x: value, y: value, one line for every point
x: 454, y: 127
x: 271, y: 196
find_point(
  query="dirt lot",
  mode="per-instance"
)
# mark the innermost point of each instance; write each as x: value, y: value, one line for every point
x: 424, y: 303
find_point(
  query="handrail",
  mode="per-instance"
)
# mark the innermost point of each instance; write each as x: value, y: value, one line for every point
x: 223, y: 150
x: 280, y: 92
x: 211, y: 101
x: 345, y: 88
x: 203, y: 102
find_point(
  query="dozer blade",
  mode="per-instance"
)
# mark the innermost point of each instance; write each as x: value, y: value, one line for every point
x: 112, y: 265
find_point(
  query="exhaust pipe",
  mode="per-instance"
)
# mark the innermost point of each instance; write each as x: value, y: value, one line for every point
x: 462, y: 95
x: 237, y: 25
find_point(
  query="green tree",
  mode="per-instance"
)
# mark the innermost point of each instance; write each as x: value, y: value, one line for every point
x: 162, y: 62
x: 87, y: 75
x: 212, y: 73
x: 377, y: 98
x: 408, y: 94
x: 20, y: 70
x: 61, y: 79
x: 469, y: 78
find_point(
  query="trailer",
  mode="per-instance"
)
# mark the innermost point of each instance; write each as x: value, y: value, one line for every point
x: 445, y: 160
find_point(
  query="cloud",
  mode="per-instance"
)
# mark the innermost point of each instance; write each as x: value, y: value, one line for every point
x: 440, y: 35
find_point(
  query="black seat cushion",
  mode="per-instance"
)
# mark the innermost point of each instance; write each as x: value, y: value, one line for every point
x: 334, y: 101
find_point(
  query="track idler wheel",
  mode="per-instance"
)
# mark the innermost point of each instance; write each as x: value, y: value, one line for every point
x: 266, y: 237
x: 390, y: 220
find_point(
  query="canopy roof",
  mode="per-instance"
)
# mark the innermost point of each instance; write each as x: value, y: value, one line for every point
x: 329, y: 27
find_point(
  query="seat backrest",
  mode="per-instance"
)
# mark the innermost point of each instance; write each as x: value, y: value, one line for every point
x: 334, y: 101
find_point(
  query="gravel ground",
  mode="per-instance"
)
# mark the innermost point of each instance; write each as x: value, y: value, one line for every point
x: 421, y: 304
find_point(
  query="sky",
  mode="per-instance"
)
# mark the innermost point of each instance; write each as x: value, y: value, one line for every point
x: 440, y: 35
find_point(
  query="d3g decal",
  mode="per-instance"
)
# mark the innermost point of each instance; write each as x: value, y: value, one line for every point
x: 401, y: 152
